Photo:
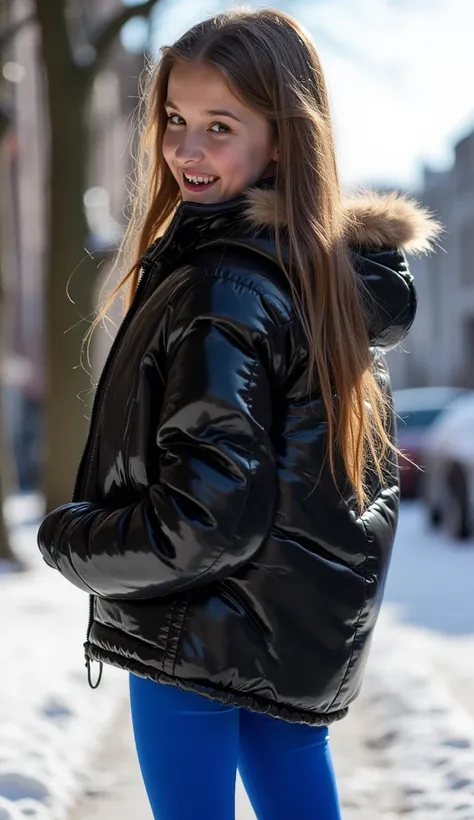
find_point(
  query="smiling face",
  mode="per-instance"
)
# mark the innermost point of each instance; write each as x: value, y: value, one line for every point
x: 212, y: 136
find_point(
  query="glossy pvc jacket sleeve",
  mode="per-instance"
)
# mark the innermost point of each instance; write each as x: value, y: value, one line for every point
x: 215, y: 500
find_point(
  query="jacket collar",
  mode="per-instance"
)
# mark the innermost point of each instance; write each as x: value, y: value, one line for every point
x: 373, y: 221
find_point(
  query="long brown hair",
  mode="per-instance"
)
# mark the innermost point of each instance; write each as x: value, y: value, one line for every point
x: 271, y: 64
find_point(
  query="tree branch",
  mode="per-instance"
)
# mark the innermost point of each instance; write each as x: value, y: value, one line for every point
x: 9, y: 33
x: 55, y: 41
x: 107, y: 35
x: 4, y: 122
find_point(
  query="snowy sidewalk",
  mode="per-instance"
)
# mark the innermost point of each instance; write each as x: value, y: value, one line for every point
x: 50, y: 721
x: 407, y: 746
x: 115, y: 788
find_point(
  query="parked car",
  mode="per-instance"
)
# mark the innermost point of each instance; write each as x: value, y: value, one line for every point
x: 448, y: 483
x: 417, y: 409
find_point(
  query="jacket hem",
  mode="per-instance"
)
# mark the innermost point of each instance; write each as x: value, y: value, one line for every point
x: 228, y: 696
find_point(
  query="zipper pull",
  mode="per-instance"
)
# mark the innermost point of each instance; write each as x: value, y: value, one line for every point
x: 88, y: 667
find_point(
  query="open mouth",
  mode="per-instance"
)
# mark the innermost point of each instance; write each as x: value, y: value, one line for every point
x: 198, y: 183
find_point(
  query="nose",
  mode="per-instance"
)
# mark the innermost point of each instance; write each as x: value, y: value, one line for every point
x: 189, y: 149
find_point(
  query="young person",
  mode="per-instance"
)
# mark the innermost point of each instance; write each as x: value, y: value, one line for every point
x: 236, y: 504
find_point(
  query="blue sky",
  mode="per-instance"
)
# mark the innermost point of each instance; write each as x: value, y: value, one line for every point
x: 397, y: 72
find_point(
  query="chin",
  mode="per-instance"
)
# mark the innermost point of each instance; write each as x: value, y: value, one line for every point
x: 188, y: 196
x: 208, y: 197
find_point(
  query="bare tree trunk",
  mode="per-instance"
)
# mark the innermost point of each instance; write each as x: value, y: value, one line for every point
x: 69, y: 267
x: 6, y: 550
x: 6, y: 469
x: 6, y: 465
x: 6, y: 461
x: 70, y: 272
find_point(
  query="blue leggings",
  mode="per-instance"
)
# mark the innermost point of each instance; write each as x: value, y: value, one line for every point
x: 189, y: 749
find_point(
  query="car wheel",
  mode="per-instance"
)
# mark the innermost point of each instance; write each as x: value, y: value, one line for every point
x: 456, y: 513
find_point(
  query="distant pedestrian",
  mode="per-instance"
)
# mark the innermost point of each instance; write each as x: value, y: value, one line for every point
x: 236, y: 504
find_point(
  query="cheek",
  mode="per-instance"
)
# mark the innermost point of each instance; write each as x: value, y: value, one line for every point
x: 249, y: 154
x: 232, y: 157
x: 169, y: 144
x: 263, y: 147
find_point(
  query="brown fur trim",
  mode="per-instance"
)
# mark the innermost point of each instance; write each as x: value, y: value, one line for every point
x: 379, y: 220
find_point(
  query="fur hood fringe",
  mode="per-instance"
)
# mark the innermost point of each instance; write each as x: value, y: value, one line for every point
x: 378, y: 220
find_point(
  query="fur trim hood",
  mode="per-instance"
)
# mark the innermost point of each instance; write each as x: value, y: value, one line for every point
x: 390, y: 220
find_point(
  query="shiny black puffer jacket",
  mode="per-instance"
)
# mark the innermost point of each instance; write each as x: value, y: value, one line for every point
x: 218, y: 552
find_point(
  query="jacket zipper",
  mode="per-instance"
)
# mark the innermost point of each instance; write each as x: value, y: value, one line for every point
x: 148, y: 259
x: 93, y: 439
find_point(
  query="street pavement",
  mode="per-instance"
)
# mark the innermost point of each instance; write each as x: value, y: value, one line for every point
x: 115, y: 788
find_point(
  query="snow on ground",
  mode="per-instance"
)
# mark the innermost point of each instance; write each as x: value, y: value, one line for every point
x: 50, y: 720
x: 419, y: 681
x: 420, y: 676
x: 425, y: 732
x: 431, y: 577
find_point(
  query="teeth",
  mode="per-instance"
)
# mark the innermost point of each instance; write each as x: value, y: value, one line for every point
x: 198, y: 180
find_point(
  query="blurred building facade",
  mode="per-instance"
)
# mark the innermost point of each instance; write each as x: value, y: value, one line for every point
x: 440, y: 346
x: 438, y: 349
x: 24, y: 186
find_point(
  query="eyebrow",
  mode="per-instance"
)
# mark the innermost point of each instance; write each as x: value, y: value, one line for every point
x: 211, y: 113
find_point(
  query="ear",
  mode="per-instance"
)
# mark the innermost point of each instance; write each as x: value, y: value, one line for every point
x: 275, y: 155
